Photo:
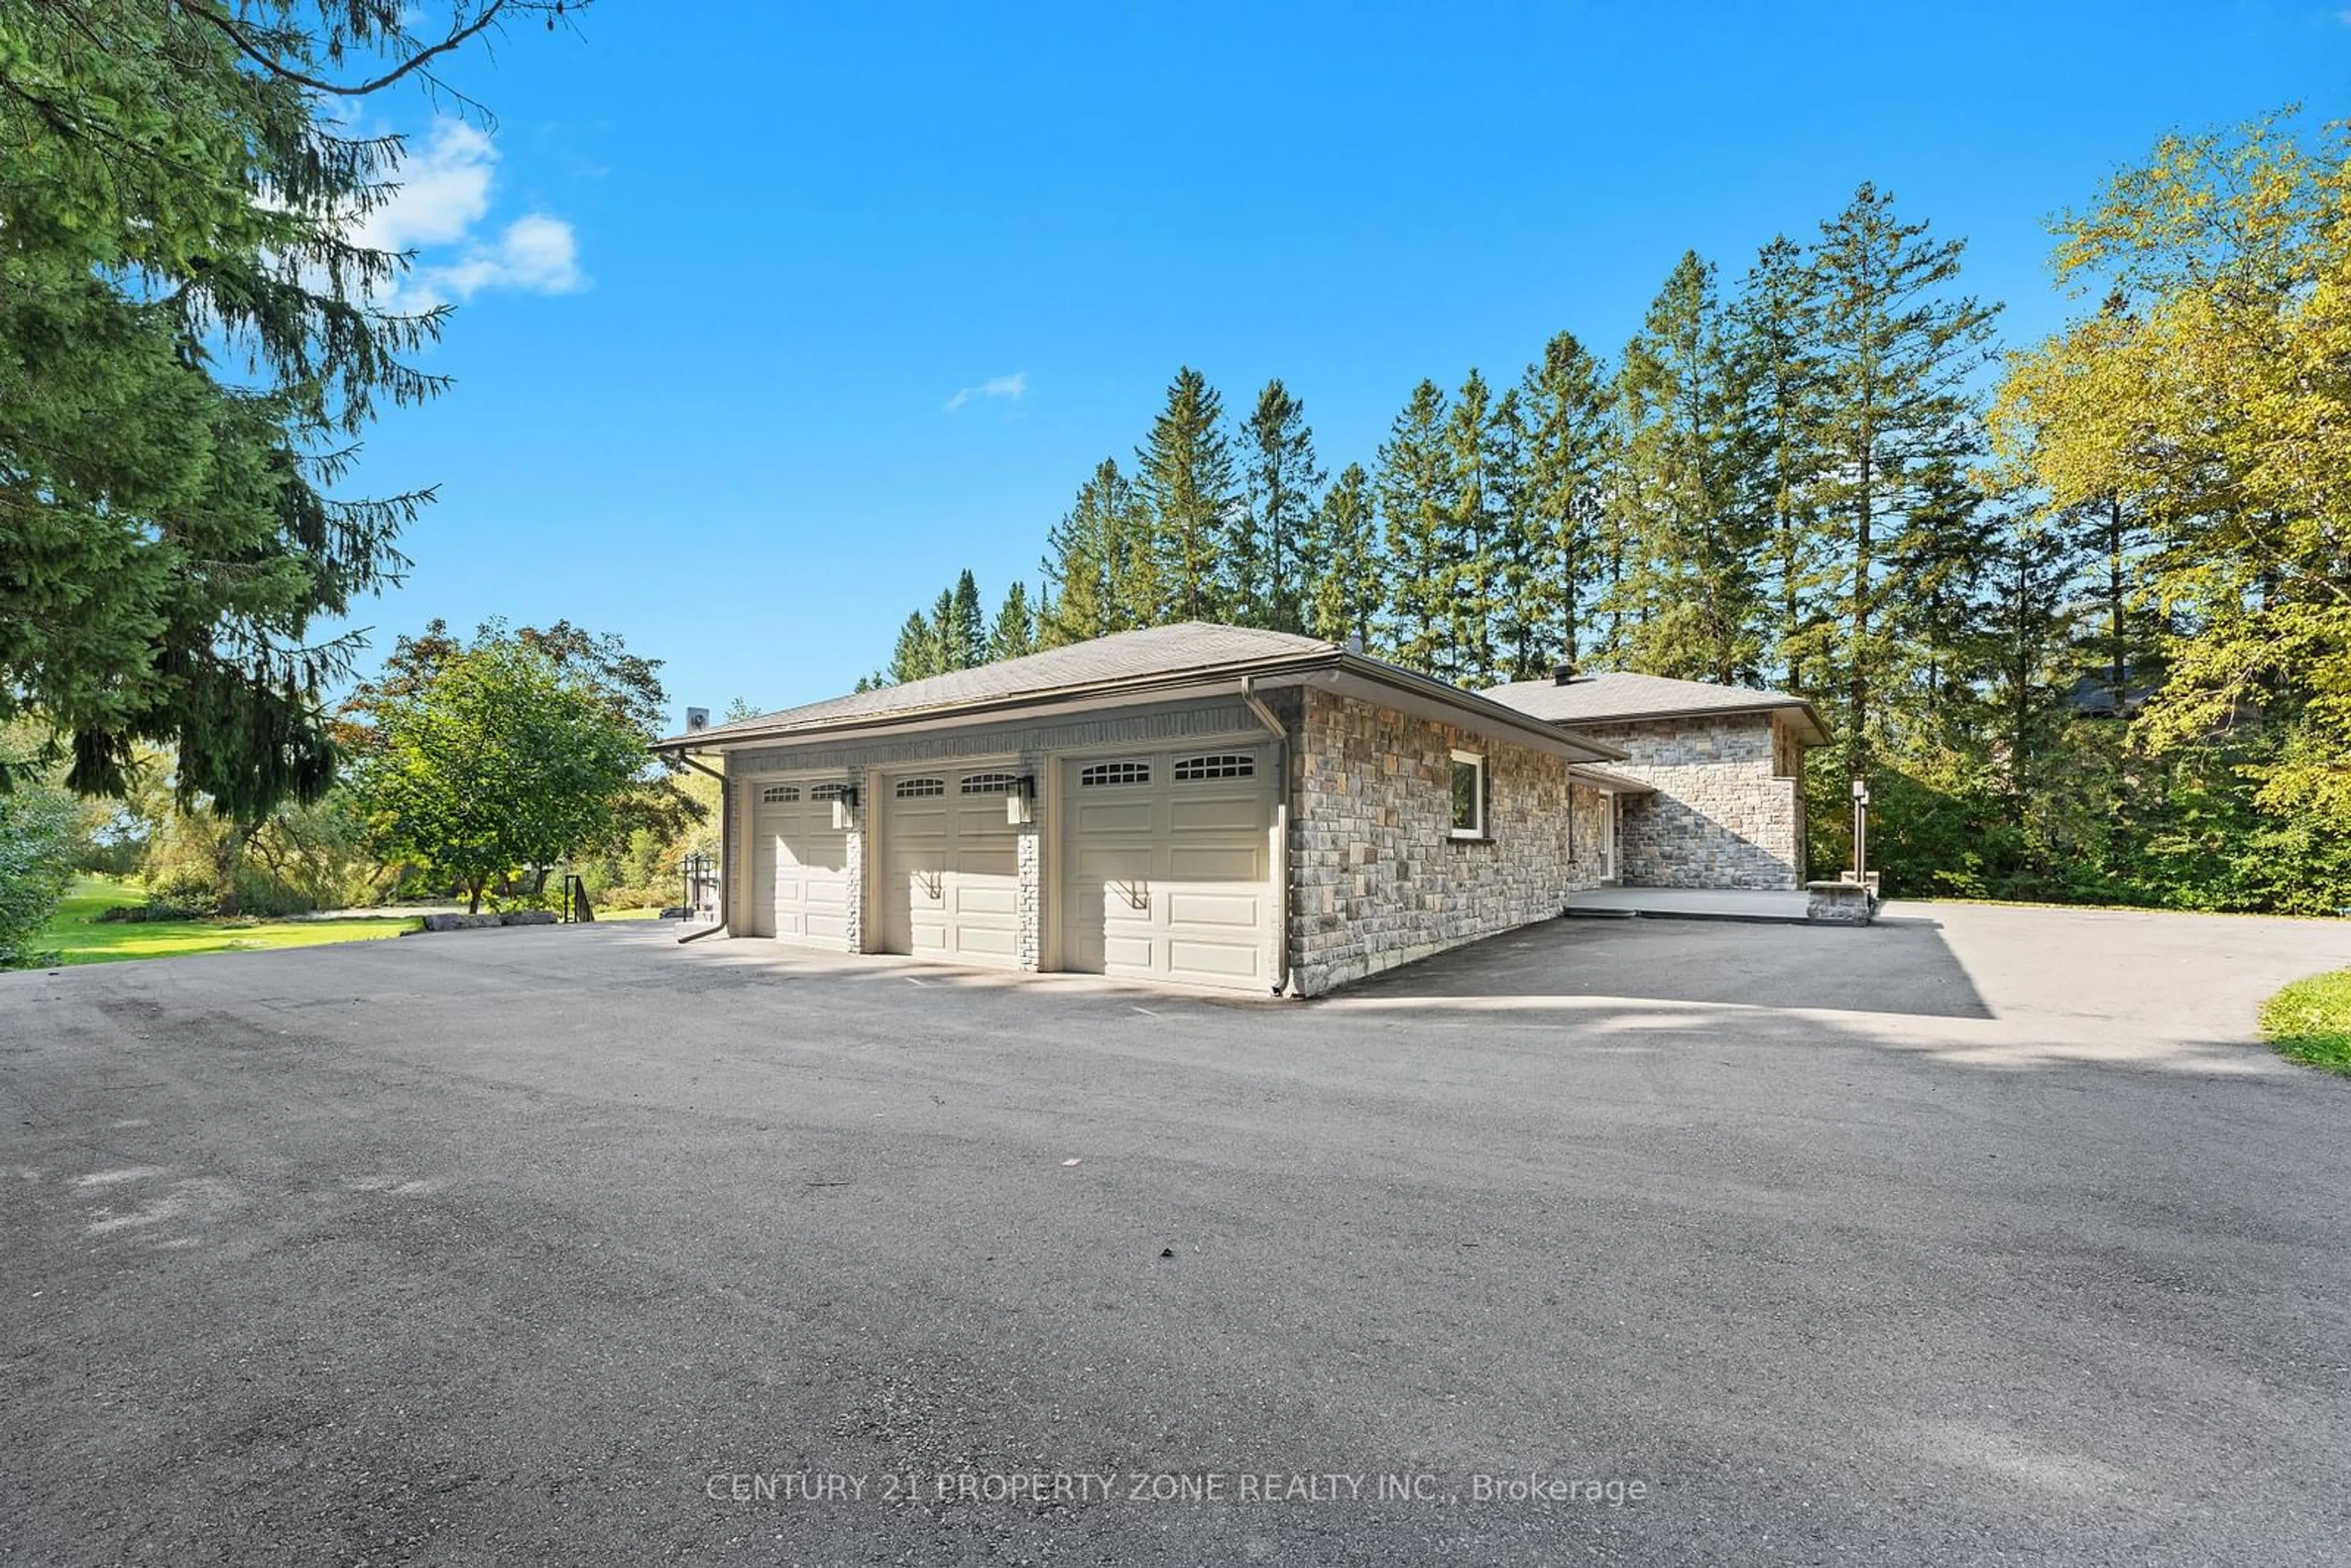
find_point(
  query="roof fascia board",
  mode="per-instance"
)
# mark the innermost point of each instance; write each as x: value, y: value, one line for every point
x: 1609, y: 783
x: 1126, y: 692
x: 1400, y: 689
x: 1332, y: 670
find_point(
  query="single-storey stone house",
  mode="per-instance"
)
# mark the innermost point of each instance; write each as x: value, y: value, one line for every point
x: 1200, y: 805
x: 1725, y: 768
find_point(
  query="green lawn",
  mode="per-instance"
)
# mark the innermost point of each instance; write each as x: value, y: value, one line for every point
x: 2310, y: 1020
x: 85, y: 939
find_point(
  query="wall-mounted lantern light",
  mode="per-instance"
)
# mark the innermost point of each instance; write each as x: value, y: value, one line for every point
x: 843, y: 804
x: 1020, y: 802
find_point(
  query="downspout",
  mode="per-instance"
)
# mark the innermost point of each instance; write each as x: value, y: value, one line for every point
x: 1266, y: 716
x: 725, y: 849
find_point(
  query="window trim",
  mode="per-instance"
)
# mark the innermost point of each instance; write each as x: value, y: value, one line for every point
x: 1121, y: 773
x: 919, y: 787
x: 1480, y: 830
x: 779, y: 794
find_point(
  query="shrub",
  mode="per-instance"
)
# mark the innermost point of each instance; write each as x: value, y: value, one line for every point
x: 41, y: 831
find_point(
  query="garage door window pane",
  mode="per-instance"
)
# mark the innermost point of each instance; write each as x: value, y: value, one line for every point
x: 1217, y: 765
x: 829, y: 792
x: 1105, y: 773
x: 779, y: 794
x: 913, y: 788
x: 992, y: 784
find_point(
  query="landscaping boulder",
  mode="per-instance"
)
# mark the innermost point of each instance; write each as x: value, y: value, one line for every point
x: 528, y: 917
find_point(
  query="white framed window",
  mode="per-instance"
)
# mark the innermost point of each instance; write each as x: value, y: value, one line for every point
x: 1098, y: 774
x: 1215, y: 765
x: 829, y: 792
x: 916, y: 789
x: 1468, y: 795
x: 779, y: 794
x: 992, y: 784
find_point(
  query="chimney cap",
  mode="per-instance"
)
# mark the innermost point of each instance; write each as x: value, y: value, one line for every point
x: 1561, y: 674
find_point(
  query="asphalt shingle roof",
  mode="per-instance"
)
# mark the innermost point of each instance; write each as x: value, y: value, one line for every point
x: 1154, y: 652
x: 1615, y: 695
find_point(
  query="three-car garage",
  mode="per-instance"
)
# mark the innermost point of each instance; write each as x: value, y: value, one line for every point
x: 1155, y: 866
x: 1190, y: 804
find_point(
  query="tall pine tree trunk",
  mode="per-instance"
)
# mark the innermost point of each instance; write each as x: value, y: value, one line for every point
x: 2119, y: 658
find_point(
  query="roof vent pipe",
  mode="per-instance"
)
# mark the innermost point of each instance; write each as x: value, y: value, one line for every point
x: 1561, y: 675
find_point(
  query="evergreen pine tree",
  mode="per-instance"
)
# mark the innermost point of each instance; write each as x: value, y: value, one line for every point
x: 1101, y: 566
x: 1350, y: 583
x: 1184, y: 476
x: 946, y: 634
x: 1418, y: 492
x: 2034, y: 563
x: 1695, y: 587
x: 1564, y: 403
x: 1015, y: 633
x: 965, y: 640
x: 1522, y: 636
x: 1467, y: 535
x: 916, y: 657
x: 1898, y: 353
x: 1776, y: 325
x: 1941, y: 559
x: 1265, y: 569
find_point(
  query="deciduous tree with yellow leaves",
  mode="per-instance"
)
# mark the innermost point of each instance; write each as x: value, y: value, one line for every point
x: 2209, y: 395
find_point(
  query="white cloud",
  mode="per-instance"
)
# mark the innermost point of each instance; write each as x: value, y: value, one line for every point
x: 445, y: 196
x: 445, y: 190
x: 1012, y: 388
x: 537, y: 254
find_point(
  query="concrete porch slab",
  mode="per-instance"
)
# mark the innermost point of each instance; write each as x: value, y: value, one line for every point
x: 1690, y: 903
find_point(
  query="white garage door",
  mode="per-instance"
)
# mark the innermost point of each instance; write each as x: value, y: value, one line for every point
x: 950, y: 882
x: 1167, y: 863
x: 799, y: 877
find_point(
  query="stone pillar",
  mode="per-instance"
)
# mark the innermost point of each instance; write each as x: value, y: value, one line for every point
x: 854, y: 867
x: 1029, y: 898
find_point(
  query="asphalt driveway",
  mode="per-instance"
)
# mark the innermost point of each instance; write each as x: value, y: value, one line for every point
x: 1980, y: 1236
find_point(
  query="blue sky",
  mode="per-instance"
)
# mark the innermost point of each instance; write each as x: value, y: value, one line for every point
x: 772, y: 319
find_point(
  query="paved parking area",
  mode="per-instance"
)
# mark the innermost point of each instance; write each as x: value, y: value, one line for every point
x: 1982, y: 1235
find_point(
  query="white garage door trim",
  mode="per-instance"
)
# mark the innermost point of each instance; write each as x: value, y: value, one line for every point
x: 1166, y: 867
x: 949, y: 887
x: 799, y: 863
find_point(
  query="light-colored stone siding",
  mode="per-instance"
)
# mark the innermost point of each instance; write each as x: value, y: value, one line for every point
x: 1376, y: 878
x: 1031, y: 894
x: 853, y: 868
x: 1723, y: 815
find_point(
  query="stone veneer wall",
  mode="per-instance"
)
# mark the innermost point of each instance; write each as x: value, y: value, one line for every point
x: 1377, y: 880
x: 1722, y: 816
